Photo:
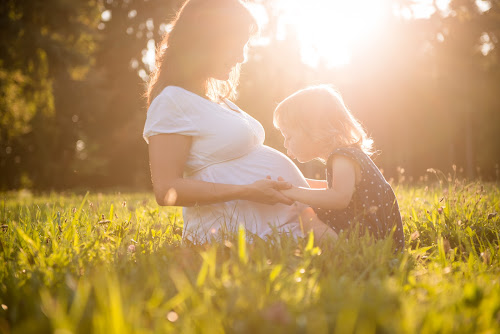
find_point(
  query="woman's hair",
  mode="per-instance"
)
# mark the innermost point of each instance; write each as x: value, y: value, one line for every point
x: 321, y: 112
x: 198, y: 26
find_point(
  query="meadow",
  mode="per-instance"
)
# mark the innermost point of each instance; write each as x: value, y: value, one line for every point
x: 115, y: 263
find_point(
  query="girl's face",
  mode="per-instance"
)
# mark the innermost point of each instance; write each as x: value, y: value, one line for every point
x: 299, y: 145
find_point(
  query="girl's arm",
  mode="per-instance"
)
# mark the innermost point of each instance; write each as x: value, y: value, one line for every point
x: 317, y: 184
x: 168, y: 154
x: 338, y: 197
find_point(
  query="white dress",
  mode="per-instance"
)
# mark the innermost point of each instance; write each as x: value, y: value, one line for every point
x: 227, y: 147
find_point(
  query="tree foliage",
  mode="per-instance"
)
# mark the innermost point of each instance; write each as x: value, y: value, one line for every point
x: 72, y: 76
x: 40, y: 42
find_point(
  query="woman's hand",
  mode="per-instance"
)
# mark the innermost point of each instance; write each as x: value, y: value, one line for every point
x: 168, y: 154
x: 268, y: 192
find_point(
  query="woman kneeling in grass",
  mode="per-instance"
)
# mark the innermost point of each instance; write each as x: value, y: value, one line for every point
x: 316, y: 124
x: 206, y: 154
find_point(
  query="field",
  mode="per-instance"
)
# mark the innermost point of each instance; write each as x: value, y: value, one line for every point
x: 115, y: 263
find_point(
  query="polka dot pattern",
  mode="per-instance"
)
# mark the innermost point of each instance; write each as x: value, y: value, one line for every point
x: 373, y: 205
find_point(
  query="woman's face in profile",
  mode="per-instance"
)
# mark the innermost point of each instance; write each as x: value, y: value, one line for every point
x: 226, y: 54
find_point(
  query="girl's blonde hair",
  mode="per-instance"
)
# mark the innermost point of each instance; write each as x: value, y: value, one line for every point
x: 321, y: 112
x: 197, y: 27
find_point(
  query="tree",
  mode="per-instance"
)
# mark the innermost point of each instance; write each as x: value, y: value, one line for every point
x: 39, y: 42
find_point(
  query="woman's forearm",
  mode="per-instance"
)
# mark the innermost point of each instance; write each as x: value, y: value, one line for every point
x: 319, y: 198
x: 171, y: 188
x: 186, y: 192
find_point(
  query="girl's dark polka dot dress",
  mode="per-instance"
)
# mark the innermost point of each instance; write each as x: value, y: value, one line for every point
x: 373, y: 205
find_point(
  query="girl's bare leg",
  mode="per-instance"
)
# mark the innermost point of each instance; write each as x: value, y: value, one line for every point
x: 311, y: 222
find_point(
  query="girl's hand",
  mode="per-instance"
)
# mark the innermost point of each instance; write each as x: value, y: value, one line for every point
x: 268, y: 192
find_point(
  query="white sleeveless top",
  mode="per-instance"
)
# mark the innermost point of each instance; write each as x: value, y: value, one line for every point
x: 227, y: 147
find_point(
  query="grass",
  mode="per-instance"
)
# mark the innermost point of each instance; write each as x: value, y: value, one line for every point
x: 116, y: 264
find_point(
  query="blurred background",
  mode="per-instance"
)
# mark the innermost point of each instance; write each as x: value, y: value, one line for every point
x: 423, y: 76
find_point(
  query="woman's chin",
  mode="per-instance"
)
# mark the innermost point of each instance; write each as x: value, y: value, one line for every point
x: 293, y: 157
x: 222, y: 76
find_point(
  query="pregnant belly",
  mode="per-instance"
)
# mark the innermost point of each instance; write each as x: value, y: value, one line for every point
x: 200, y: 222
x: 256, y: 165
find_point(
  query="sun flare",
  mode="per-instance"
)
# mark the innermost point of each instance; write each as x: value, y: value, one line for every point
x: 329, y: 30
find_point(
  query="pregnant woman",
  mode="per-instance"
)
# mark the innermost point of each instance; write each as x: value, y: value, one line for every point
x: 206, y: 154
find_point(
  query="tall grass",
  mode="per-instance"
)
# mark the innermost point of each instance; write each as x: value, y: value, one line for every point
x: 116, y: 264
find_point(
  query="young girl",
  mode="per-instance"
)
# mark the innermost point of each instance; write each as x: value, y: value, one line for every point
x: 316, y: 124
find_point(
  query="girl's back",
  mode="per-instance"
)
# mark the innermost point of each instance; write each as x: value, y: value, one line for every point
x: 373, y: 205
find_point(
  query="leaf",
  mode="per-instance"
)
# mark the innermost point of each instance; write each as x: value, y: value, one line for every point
x: 275, y: 272
x: 111, y: 212
x: 242, y: 245
x: 202, y: 275
x: 75, y: 219
x: 310, y: 242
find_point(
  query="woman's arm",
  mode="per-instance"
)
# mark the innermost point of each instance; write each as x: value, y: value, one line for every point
x: 338, y: 197
x: 317, y: 184
x: 168, y: 154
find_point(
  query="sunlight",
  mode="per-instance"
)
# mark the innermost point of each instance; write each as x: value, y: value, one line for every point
x: 148, y: 55
x: 483, y: 5
x: 329, y: 30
